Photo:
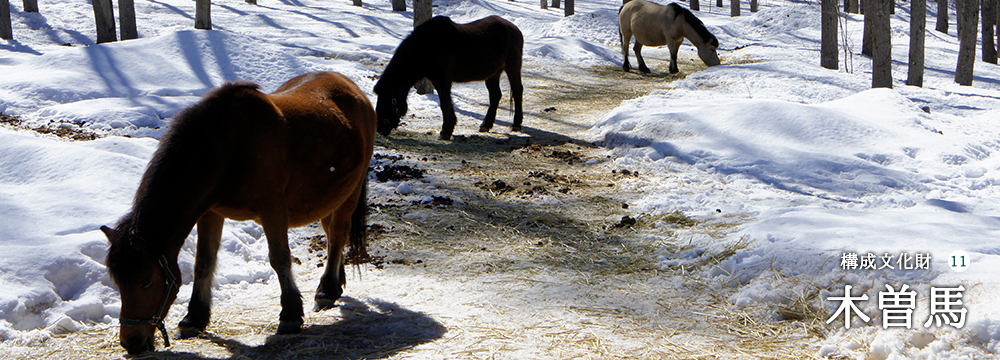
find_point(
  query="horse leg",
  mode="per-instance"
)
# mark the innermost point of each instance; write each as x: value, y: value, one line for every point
x: 200, y: 306
x: 626, y: 37
x: 517, y: 92
x: 493, y: 86
x: 336, y: 225
x: 674, y: 47
x: 274, y: 218
x: 638, y: 56
x: 447, y: 109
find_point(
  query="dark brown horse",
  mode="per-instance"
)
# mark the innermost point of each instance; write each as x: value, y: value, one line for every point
x: 658, y: 25
x: 445, y: 52
x: 284, y: 160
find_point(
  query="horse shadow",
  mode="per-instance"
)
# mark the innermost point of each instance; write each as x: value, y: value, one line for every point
x: 374, y: 329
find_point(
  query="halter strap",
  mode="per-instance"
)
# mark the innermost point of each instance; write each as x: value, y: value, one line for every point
x: 157, y: 320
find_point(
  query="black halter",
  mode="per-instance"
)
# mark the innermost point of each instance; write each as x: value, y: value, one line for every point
x: 157, y: 320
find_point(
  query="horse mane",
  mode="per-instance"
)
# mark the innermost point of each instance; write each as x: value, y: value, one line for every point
x: 423, y: 37
x: 184, y: 150
x: 695, y: 22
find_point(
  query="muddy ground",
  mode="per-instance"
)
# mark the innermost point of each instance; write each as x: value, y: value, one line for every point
x: 529, y: 250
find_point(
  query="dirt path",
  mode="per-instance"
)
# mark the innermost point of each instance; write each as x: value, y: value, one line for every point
x: 522, y: 252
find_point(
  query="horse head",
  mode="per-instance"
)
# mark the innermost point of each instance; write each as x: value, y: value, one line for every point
x: 709, y: 52
x: 390, y: 107
x: 147, y: 284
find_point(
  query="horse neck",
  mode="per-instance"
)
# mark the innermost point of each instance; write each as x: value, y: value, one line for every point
x: 173, y: 195
x: 407, y: 65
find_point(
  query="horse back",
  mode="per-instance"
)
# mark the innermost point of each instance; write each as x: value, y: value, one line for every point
x: 652, y: 24
x: 474, y: 51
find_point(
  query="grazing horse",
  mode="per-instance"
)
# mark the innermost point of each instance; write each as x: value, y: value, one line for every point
x: 445, y: 52
x: 658, y: 25
x: 284, y: 159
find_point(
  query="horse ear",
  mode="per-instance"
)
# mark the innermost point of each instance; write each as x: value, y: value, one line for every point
x: 109, y: 232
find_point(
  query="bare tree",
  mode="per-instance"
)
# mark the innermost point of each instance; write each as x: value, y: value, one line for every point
x: 718, y: 3
x: 545, y: 4
x: 104, y: 18
x: 555, y: 4
x: 881, y: 43
x: 942, y: 16
x: 989, y: 18
x: 918, y: 29
x: 356, y: 2
x: 734, y: 8
x: 967, y: 41
x: 398, y: 5
x: 6, y: 32
x: 126, y: 19
x: 695, y: 6
x: 828, y: 46
x: 568, y: 8
x: 422, y: 11
x: 754, y: 6
x: 203, y: 14
x: 30, y: 5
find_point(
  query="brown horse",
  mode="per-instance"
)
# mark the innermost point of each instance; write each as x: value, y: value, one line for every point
x: 445, y: 52
x: 658, y: 25
x: 286, y: 159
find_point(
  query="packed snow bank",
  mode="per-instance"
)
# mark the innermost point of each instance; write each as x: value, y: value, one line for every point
x: 132, y: 87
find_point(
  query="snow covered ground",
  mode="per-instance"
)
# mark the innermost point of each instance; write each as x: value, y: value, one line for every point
x: 818, y: 163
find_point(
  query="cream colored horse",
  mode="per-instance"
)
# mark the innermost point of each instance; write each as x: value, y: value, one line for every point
x: 658, y: 25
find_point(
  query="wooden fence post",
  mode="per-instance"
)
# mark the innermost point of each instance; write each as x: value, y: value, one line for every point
x: 104, y: 17
x: 423, y: 11
x: 126, y: 19
x: 6, y: 32
x: 30, y: 5
x: 203, y: 14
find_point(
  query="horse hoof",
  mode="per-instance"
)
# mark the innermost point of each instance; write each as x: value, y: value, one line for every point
x: 515, y: 128
x: 185, y: 332
x: 445, y: 136
x: 289, y: 327
x: 324, y: 304
x: 484, y: 129
x: 645, y: 70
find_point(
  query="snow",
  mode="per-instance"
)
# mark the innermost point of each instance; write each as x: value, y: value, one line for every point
x: 819, y: 163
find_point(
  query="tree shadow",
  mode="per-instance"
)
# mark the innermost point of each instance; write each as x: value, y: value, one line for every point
x: 374, y: 329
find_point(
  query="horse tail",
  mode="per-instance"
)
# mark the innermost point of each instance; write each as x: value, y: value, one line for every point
x: 358, y: 254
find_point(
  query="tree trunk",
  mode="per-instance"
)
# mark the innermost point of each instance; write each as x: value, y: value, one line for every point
x: 918, y: 29
x: 754, y: 6
x: 734, y: 8
x: 545, y: 4
x: 29, y: 5
x: 126, y: 19
x: 398, y: 5
x: 203, y: 14
x: 828, y: 47
x: 356, y: 2
x: 555, y: 4
x: 866, y: 36
x: 695, y: 6
x: 568, y: 7
x: 967, y: 41
x: 422, y: 11
x: 989, y: 17
x: 718, y: 3
x: 851, y: 6
x: 251, y: 2
x: 104, y: 18
x: 942, y: 16
x: 881, y: 43
x: 6, y: 32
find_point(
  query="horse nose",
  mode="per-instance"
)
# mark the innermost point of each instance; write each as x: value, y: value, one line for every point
x: 137, y: 344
